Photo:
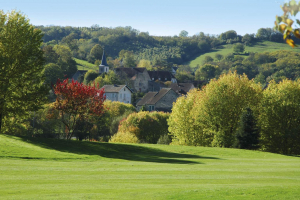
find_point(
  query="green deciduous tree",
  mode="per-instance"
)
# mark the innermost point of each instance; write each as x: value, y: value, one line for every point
x: 222, y: 103
x: 238, y: 48
x: 52, y: 72
x: 183, y: 33
x: 280, y: 117
x: 219, y: 57
x: 208, y: 59
x: 206, y: 72
x: 108, y: 79
x: 182, y: 125
x: 21, y: 65
x: 95, y: 53
x: 129, y: 60
x: 210, y: 116
x: 90, y: 76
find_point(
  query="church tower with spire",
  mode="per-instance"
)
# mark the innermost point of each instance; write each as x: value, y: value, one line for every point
x: 103, y: 67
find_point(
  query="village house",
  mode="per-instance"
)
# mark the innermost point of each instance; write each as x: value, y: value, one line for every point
x: 159, y: 101
x: 182, y: 88
x: 163, y: 76
x: 137, y: 78
x: 120, y: 93
x: 174, y: 69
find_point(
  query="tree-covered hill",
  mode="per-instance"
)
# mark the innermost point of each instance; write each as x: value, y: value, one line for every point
x: 175, y: 49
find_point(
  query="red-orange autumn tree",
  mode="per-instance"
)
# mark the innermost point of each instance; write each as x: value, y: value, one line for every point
x: 76, y: 103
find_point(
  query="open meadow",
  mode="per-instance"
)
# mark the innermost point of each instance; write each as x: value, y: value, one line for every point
x: 58, y: 169
x: 258, y: 47
x: 85, y: 65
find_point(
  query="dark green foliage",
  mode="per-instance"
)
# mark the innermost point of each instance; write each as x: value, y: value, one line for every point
x: 219, y: 56
x: 248, y: 39
x: 135, y: 97
x: 164, y: 139
x: 114, y: 126
x: 264, y: 33
x: 90, y: 76
x: 172, y: 49
x: 247, y: 135
x: 82, y: 129
x: 206, y: 72
x: 183, y: 33
x: 52, y: 72
x: 238, y: 48
x: 208, y: 59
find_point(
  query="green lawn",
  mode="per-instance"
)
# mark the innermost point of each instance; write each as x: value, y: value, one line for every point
x: 57, y: 169
x: 85, y: 65
x: 258, y: 47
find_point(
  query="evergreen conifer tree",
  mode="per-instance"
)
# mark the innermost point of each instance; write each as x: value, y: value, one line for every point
x: 247, y: 135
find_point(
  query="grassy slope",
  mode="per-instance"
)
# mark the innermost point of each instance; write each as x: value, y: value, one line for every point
x: 56, y: 169
x: 85, y: 65
x: 258, y: 47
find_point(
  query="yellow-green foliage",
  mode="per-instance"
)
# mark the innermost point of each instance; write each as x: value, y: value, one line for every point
x: 210, y: 116
x: 116, y: 108
x: 280, y: 117
x: 146, y: 126
x: 124, y: 137
x: 182, y: 121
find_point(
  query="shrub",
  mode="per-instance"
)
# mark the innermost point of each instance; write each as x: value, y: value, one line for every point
x: 146, y: 126
x: 164, y: 139
x: 124, y: 137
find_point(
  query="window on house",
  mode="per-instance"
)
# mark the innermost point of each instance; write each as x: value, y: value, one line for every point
x: 158, y: 78
x: 152, y: 79
x: 151, y: 107
x: 165, y: 78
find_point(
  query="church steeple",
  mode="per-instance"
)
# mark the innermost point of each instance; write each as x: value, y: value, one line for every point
x: 103, y: 67
x: 103, y: 61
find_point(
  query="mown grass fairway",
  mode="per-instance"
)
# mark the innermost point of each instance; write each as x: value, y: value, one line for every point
x: 56, y: 169
x: 85, y: 65
x: 258, y: 47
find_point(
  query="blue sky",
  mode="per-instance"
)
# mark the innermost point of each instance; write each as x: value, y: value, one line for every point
x: 158, y: 17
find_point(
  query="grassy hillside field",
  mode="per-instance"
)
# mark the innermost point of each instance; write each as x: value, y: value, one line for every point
x: 85, y: 65
x: 57, y: 169
x: 258, y: 47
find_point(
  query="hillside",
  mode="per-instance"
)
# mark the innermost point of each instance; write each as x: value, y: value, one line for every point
x: 258, y: 47
x: 85, y: 65
x: 57, y: 169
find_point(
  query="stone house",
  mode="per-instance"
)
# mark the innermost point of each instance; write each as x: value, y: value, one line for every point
x: 137, y: 78
x: 162, y: 76
x: 120, y: 93
x: 159, y: 101
x: 182, y: 88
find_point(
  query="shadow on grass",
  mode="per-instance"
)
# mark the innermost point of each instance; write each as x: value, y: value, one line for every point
x: 117, y: 151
